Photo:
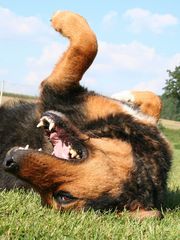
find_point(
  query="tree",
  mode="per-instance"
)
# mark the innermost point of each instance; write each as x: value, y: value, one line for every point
x: 172, y: 88
x: 171, y: 96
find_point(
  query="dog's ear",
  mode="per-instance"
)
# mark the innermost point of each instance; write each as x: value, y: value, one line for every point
x: 80, y: 54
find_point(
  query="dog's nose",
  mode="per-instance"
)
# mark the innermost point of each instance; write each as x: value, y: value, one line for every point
x: 10, y: 164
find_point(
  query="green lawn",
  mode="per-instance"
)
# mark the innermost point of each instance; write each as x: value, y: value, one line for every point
x: 22, y: 217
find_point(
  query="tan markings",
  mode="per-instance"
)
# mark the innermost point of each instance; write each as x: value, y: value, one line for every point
x: 139, y: 115
x: 99, y: 106
x: 80, y: 54
x: 107, y: 168
x: 148, y: 102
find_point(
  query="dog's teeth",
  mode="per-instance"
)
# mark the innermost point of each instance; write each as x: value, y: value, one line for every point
x: 40, y: 149
x: 19, y: 148
x: 78, y: 157
x: 23, y: 148
x: 51, y: 125
x: 73, y: 153
x: 47, y: 119
x: 40, y: 124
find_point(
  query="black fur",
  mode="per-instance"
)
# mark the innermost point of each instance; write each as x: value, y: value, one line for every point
x: 18, y: 128
x: 19, y: 120
x: 152, y: 155
x: 151, y: 152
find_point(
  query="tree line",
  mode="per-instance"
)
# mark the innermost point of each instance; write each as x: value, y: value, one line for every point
x: 171, y: 96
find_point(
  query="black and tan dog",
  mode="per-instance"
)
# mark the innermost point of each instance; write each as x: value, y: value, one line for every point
x: 97, y: 152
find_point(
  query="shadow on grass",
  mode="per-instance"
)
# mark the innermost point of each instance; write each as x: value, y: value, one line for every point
x: 172, y: 199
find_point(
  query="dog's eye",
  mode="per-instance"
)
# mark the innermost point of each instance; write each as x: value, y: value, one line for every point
x: 64, y: 197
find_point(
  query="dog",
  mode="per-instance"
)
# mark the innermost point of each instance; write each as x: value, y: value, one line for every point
x: 97, y: 152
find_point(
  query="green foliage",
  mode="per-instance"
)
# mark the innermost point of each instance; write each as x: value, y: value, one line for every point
x: 171, y: 96
x: 172, y: 87
x: 23, y: 217
x: 171, y: 108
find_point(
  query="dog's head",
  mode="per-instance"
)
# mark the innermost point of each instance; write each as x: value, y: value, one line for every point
x: 83, y: 171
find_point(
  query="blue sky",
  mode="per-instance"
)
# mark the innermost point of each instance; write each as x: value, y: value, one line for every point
x: 138, y: 41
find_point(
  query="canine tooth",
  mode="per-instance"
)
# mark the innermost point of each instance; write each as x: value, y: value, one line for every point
x: 40, y: 124
x: 78, y: 157
x: 20, y: 148
x: 23, y: 148
x: 51, y: 125
x: 40, y: 149
x: 73, y: 153
x: 47, y: 119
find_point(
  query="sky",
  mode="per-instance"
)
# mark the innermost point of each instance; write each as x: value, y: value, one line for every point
x: 138, y: 42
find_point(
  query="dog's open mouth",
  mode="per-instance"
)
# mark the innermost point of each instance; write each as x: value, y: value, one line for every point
x: 65, y: 144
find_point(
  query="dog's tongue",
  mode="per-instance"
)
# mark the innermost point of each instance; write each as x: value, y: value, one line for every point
x: 61, y: 150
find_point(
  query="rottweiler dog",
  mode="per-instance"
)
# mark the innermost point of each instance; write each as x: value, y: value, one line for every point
x: 97, y: 152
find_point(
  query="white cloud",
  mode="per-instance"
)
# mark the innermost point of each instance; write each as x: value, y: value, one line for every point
x: 3, y: 72
x: 12, y: 25
x: 39, y: 68
x: 117, y: 67
x: 34, y: 71
x: 131, y: 57
x: 154, y: 85
x: 130, y: 66
x: 174, y: 61
x: 141, y: 19
x: 158, y: 83
x: 109, y: 18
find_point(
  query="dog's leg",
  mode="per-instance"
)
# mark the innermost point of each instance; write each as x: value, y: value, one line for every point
x: 148, y: 102
x: 80, y: 54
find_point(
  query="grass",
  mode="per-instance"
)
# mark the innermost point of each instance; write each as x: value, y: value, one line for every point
x: 23, y: 217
